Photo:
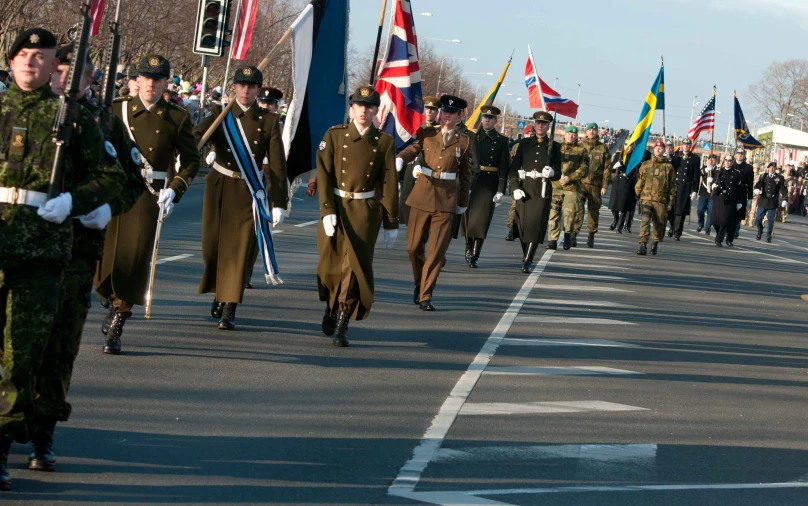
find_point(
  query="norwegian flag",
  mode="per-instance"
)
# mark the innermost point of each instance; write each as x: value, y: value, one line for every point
x: 705, y: 121
x: 245, y: 25
x: 542, y: 96
x: 399, y: 80
x: 96, y: 13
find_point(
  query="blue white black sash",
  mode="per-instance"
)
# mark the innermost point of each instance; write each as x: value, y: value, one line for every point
x: 239, y: 146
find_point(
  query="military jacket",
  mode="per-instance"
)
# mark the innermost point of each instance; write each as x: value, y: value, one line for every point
x: 92, y: 174
x: 656, y: 182
x: 772, y: 191
x: 599, y: 163
x: 574, y: 165
x: 492, y: 151
x: 159, y: 132
x: 474, y: 162
x: 531, y: 154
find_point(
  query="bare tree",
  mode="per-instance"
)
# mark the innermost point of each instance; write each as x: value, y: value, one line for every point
x: 782, y: 90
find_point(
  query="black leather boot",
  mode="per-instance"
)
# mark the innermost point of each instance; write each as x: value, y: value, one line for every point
x: 552, y: 245
x: 107, y: 320
x: 629, y: 219
x: 469, y: 246
x: 112, y: 345
x: 719, y: 238
x: 216, y: 308
x: 575, y: 239
x: 642, y: 250
x: 5, y: 478
x: 329, y: 321
x: 416, y: 295
x: 105, y: 303
x: 527, y: 262
x: 475, y: 252
x: 341, y: 336
x: 42, y: 457
x: 621, y: 223
x: 228, y: 321
x: 590, y: 242
x: 567, y: 240
x: 510, y: 236
x: 654, y: 248
x: 614, y: 223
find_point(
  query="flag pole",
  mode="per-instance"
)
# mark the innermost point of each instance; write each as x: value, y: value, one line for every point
x: 664, y: 135
x: 372, y: 79
x: 230, y: 50
x: 712, y: 131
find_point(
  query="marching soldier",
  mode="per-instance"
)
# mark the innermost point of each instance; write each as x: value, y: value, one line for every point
x: 751, y: 213
x: 687, y: 181
x: 36, y: 234
x: 567, y: 194
x: 788, y: 176
x: 488, y: 183
x: 441, y: 191
x: 594, y: 185
x: 748, y: 184
x: 529, y: 131
x: 431, y: 109
x: 769, y: 190
x: 705, y: 207
x: 656, y: 190
x: 623, y: 201
x: 158, y: 129
x: 269, y: 98
x: 729, y: 198
x: 356, y: 175
x: 229, y: 242
x: 532, y: 166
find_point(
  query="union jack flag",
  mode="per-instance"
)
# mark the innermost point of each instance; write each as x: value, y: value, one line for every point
x: 541, y: 96
x: 399, y: 80
x: 705, y: 121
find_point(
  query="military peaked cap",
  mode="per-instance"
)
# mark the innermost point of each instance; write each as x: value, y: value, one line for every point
x: 154, y: 66
x: 450, y: 103
x: 433, y: 102
x: 248, y: 75
x: 490, y: 110
x: 366, y: 95
x: 269, y: 94
x: 65, y: 55
x: 543, y: 116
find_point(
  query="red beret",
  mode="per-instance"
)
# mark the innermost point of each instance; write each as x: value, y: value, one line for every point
x: 660, y: 142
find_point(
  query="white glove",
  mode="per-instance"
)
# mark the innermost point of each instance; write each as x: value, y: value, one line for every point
x: 709, y: 180
x: 399, y: 164
x: 390, y: 237
x: 497, y: 197
x: 738, y: 206
x: 210, y: 158
x: 330, y: 224
x: 784, y: 203
x: 56, y: 210
x: 756, y: 193
x: 416, y: 171
x: 548, y: 171
x: 278, y: 214
x: 714, y: 186
x: 693, y: 196
x: 521, y: 173
x: 461, y: 210
x: 617, y: 165
x: 518, y: 194
x: 98, y: 218
x: 166, y: 200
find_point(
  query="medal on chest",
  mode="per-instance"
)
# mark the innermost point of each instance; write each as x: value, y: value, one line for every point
x: 457, y: 153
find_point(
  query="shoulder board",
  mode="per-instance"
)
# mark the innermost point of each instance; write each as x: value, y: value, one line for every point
x: 431, y: 129
x: 385, y: 135
x: 122, y: 99
x: 176, y: 107
x: 339, y: 127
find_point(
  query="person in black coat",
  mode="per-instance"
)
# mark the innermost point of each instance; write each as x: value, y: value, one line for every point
x: 728, y: 199
x: 622, y: 200
x: 747, y: 181
x: 771, y: 191
x: 687, y: 182
x: 705, y: 206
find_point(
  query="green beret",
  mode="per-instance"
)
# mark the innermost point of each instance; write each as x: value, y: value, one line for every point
x: 65, y: 55
x: 571, y: 128
x: 433, y: 102
x: 590, y: 126
x: 248, y: 75
x: 366, y: 95
x: 154, y: 66
x: 543, y: 116
x: 33, y: 38
x: 490, y: 110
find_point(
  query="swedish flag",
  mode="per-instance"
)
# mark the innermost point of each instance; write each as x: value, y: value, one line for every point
x: 639, y: 138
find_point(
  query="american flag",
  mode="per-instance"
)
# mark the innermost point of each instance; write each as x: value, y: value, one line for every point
x: 399, y: 80
x: 705, y: 121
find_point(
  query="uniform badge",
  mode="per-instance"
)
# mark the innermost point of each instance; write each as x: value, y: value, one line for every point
x: 457, y: 153
x: 364, y: 92
x: 17, y: 143
x: 322, y: 145
x: 34, y: 38
x: 247, y: 71
x: 135, y: 154
x: 110, y: 149
x: 154, y: 61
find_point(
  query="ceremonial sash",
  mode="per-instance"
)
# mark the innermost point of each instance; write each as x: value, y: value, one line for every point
x: 239, y: 146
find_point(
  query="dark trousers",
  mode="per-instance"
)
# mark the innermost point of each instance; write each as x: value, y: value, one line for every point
x: 770, y: 213
x: 705, y: 207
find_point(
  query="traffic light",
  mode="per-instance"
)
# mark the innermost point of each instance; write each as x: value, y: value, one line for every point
x: 211, y: 27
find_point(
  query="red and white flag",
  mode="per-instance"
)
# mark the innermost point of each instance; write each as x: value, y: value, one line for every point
x: 705, y: 121
x: 542, y: 96
x: 96, y: 13
x: 244, y: 29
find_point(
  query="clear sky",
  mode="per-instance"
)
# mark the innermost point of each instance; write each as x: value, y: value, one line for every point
x: 612, y: 48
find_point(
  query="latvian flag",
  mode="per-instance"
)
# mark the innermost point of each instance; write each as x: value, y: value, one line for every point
x: 705, y: 121
x: 244, y: 29
x: 542, y: 96
x: 399, y: 81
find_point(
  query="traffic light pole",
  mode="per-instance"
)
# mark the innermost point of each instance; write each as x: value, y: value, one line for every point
x: 230, y: 52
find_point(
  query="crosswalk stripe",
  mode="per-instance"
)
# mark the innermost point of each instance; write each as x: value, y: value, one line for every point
x: 307, y: 223
x: 596, y: 257
x: 574, y: 288
x: 523, y: 408
x: 556, y: 371
x: 583, y: 276
x: 522, y: 453
x: 571, y: 321
x: 581, y: 303
x: 602, y: 343
x: 594, y: 266
x: 173, y: 259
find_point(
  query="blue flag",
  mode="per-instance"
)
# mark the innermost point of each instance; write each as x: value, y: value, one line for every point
x: 639, y: 138
x: 742, y: 135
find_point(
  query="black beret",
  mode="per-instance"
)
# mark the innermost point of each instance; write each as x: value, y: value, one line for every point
x: 269, y: 94
x: 33, y: 38
x: 248, y: 75
x: 154, y: 66
x: 65, y: 55
x: 433, y: 102
x: 490, y: 110
x: 450, y: 103
x: 366, y: 95
x: 543, y: 116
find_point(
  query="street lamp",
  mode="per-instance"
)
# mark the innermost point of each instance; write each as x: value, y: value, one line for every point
x: 693, y: 108
x: 440, y: 72
x: 427, y: 14
x: 456, y: 41
x: 478, y: 73
x: 794, y: 116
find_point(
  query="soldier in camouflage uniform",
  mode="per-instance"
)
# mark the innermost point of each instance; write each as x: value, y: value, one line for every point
x: 567, y: 190
x: 594, y: 185
x: 656, y: 190
x: 35, y: 244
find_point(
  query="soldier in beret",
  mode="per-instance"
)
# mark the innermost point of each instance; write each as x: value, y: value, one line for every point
x: 656, y: 189
x: 488, y: 183
x: 431, y: 109
x: 158, y: 129
x: 36, y: 233
x: 441, y: 191
x: 567, y: 197
x: 229, y: 242
x: 594, y: 185
x: 356, y: 175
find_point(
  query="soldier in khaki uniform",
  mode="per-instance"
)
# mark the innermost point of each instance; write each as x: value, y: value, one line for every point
x: 594, y: 185
x: 356, y: 175
x: 567, y: 190
x: 441, y: 191
x: 158, y: 129
x: 431, y: 109
x: 228, y: 229
x: 656, y: 189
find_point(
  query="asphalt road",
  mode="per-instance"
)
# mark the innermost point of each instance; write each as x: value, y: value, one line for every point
x: 602, y: 378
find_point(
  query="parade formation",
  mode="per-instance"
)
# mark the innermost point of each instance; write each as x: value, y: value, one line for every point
x: 83, y: 210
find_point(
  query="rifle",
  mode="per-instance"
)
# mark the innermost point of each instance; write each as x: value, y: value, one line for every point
x: 160, y: 219
x: 63, y: 124
x: 112, y: 54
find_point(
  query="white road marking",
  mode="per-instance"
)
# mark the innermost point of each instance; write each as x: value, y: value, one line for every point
x: 591, y: 452
x: 595, y: 266
x: 790, y: 260
x: 573, y: 288
x: 604, y: 343
x: 597, y: 257
x: 584, y: 276
x: 571, y: 321
x: 307, y: 223
x: 582, y: 303
x: 637, y: 488
x: 173, y: 259
x: 556, y: 371
x: 525, y: 408
x: 410, y: 473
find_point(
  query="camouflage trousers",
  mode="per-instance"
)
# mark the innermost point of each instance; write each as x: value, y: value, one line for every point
x: 29, y: 296
x: 591, y: 194
x: 54, y: 377
x: 566, y: 202
x: 653, y: 213
x: 512, y: 213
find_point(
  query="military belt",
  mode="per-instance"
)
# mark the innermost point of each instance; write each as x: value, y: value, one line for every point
x: 18, y: 196
x: 355, y: 196
x: 149, y: 174
x: 533, y: 174
x: 227, y: 172
x: 488, y: 168
x: 438, y: 175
